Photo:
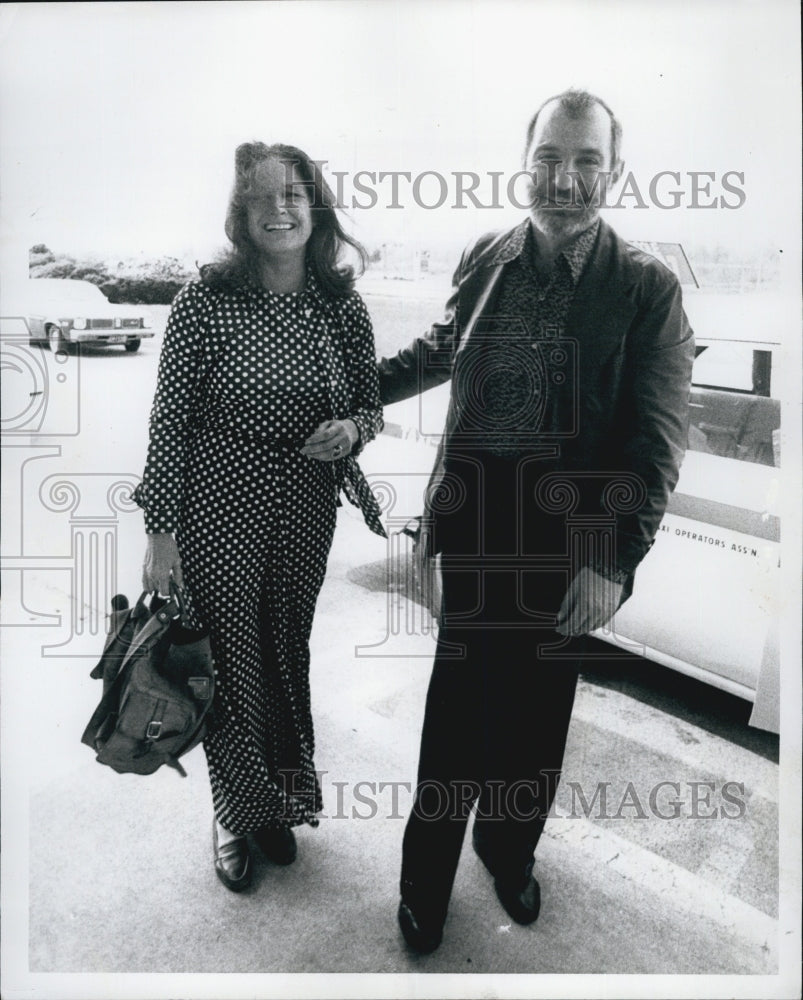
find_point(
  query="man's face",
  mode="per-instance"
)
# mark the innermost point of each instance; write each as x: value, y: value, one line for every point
x: 569, y: 160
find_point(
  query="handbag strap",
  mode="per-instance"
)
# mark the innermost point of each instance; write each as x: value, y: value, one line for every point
x: 158, y: 622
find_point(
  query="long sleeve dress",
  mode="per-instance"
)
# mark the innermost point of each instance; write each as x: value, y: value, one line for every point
x: 244, y: 377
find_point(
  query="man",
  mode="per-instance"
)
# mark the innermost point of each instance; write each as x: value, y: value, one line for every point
x: 570, y: 359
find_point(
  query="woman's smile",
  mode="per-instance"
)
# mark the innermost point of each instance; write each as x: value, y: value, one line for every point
x: 278, y: 203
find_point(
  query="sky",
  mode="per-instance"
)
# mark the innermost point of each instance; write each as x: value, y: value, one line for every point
x: 119, y: 121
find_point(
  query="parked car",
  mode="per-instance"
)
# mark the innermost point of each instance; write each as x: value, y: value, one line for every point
x: 706, y: 601
x: 707, y: 598
x: 62, y: 312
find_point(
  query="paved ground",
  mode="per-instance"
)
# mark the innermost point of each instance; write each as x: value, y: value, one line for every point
x: 121, y: 878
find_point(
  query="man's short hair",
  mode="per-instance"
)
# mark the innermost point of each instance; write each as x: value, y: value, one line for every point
x: 577, y: 103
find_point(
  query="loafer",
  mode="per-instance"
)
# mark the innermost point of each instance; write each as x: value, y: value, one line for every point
x: 232, y: 862
x: 277, y: 843
x: 519, y: 894
x: 419, y: 936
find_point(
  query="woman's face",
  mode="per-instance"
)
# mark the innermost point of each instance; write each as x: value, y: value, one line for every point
x: 279, y: 210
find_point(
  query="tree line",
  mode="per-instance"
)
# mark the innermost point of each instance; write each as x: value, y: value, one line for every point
x: 153, y: 282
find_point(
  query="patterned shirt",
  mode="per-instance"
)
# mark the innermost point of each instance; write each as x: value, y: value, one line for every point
x: 510, y: 377
x: 506, y: 375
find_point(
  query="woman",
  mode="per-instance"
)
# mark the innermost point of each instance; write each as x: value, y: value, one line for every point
x: 267, y: 388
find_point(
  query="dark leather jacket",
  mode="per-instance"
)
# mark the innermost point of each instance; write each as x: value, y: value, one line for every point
x: 628, y: 396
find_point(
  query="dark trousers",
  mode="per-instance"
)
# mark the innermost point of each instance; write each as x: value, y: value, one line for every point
x: 497, y: 713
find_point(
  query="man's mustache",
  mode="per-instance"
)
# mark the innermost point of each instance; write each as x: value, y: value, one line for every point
x: 578, y: 200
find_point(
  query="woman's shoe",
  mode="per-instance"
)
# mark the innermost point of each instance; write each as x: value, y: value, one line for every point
x: 232, y: 861
x: 277, y: 843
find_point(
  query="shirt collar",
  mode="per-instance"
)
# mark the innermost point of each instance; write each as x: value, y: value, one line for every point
x: 576, y: 254
x: 512, y: 245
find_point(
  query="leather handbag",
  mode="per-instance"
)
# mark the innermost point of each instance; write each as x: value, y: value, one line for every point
x: 158, y: 687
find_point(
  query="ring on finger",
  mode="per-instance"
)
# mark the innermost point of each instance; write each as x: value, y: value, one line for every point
x: 337, y: 450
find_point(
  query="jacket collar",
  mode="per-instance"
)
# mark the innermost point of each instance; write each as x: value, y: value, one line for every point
x: 509, y: 246
x: 576, y: 254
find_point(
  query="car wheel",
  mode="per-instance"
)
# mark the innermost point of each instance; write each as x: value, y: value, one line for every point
x: 56, y: 340
x: 132, y: 346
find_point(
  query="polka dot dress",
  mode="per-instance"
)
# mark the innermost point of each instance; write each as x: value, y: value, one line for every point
x: 244, y: 378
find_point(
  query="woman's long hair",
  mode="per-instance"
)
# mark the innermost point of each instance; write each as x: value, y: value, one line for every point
x: 325, y: 246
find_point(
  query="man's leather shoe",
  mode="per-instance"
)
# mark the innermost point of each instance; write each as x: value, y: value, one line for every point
x: 520, y: 894
x: 232, y: 862
x: 520, y: 897
x: 417, y: 934
x: 278, y: 844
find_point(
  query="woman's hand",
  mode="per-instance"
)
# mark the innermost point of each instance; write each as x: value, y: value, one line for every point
x: 162, y: 563
x: 332, y: 440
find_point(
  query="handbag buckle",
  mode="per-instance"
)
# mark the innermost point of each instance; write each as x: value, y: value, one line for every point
x: 199, y: 687
x: 153, y: 730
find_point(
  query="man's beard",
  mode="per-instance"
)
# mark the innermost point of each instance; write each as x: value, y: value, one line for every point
x: 562, y: 223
